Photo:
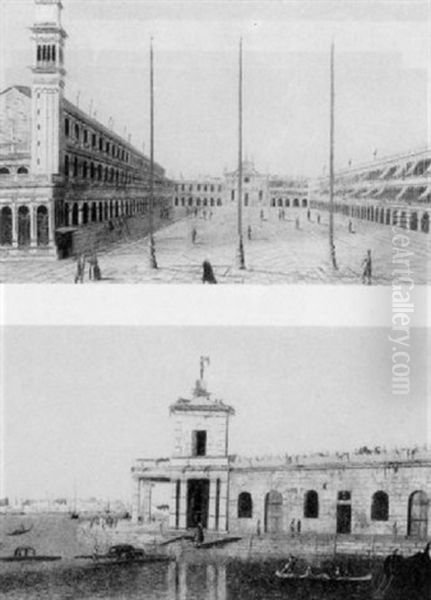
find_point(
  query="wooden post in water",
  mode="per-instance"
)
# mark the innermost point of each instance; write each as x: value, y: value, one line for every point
x: 152, y: 246
x: 331, y: 165
x: 240, y: 257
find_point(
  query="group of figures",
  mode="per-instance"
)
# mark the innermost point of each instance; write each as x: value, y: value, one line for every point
x: 94, y: 272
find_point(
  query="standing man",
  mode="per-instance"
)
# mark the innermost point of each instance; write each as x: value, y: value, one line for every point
x: 367, y: 269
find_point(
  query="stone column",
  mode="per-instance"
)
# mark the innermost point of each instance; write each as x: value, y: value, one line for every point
x: 33, y: 225
x: 211, y: 583
x: 223, y: 504
x: 69, y: 214
x: 183, y: 504
x: 136, y: 501
x: 80, y: 215
x: 182, y: 581
x: 14, y: 226
x: 173, y: 505
x: 146, y: 501
x: 212, y: 505
x: 51, y: 223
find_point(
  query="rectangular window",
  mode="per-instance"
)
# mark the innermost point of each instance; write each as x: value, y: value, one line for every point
x: 93, y: 140
x: 199, y: 443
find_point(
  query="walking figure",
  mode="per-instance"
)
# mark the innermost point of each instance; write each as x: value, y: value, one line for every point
x: 258, y: 528
x: 249, y: 232
x: 292, y: 527
x: 194, y: 234
x: 367, y: 269
x: 297, y: 223
x: 92, y: 262
x: 262, y: 215
x: 80, y: 269
x: 309, y: 214
x: 351, y: 230
x: 298, y: 526
x: 199, y: 535
x: 318, y: 219
x: 208, y: 273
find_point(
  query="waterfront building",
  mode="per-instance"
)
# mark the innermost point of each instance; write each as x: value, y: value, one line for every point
x: 259, y: 190
x: 394, y: 190
x: 60, y: 168
x: 369, y: 491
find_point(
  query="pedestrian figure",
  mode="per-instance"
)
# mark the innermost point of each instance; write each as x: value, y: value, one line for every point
x: 395, y: 529
x: 262, y: 215
x: 297, y: 223
x: 351, y: 230
x: 208, y: 273
x: 292, y: 527
x: 309, y: 214
x: 194, y: 234
x: 199, y: 535
x: 92, y: 262
x: 211, y: 215
x: 80, y: 269
x: 367, y: 269
x: 298, y: 526
x: 249, y: 232
x: 96, y: 271
x: 258, y: 528
x: 205, y: 215
x: 318, y: 218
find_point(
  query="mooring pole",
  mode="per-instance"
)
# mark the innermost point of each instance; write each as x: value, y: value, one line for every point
x: 241, y: 259
x: 331, y: 165
x: 152, y: 245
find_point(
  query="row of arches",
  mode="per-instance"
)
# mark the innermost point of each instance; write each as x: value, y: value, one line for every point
x: 287, y: 202
x: 82, y: 213
x: 405, y: 218
x: 196, y: 202
x: 417, y: 521
x: 22, y: 232
x: 88, y: 170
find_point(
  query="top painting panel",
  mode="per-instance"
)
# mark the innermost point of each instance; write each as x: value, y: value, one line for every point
x: 217, y: 142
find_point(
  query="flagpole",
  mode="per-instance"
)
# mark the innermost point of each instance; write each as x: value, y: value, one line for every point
x: 241, y: 260
x: 152, y: 246
x: 331, y: 165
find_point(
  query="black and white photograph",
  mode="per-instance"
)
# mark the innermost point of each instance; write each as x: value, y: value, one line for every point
x: 258, y: 462
x: 259, y: 142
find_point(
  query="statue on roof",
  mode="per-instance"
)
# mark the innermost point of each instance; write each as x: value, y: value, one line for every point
x: 200, y: 386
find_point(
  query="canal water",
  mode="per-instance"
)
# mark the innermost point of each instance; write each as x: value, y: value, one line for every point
x: 201, y: 579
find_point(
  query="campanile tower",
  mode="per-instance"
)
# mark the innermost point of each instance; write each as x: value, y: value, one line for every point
x: 47, y: 87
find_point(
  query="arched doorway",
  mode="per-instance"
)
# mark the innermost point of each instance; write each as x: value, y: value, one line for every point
x: 6, y: 226
x: 42, y: 226
x: 85, y: 213
x: 23, y: 226
x: 414, y: 221
x: 75, y: 214
x: 93, y: 212
x: 417, y: 525
x: 273, y: 512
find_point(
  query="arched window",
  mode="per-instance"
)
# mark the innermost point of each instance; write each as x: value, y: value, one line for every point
x: 311, y: 505
x: 75, y: 167
x: 66, y: 165
x: 6, y: 226
x: 4, y: 171
x: 22, y: 171
x: 66, y: 127
x: 245, y: 506
x: 39, y: 53
x: 380, y: 507
x: 77, y: 131
x: 42, y: 226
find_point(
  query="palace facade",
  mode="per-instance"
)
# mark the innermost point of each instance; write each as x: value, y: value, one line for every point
x: 367, y: 492
x: 259, y: 190
x: 392, y: 191
x: 60, y: 168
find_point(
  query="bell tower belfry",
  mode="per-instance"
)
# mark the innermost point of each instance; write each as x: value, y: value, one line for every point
x: 200, y: 460
x: 47, y: 87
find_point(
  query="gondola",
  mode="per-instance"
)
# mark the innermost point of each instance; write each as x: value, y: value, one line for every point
x: 124, y: 554
x: 20, y: 530
x: 323, y: 577
x: 27, y: 554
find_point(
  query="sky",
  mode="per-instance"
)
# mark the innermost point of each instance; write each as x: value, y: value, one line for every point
x: 381, y: 67
x: 81, y: 403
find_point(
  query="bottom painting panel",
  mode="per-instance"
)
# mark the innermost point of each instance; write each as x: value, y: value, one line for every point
x: 241, y: 462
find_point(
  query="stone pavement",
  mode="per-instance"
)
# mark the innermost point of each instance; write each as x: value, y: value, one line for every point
x: 278, y: 253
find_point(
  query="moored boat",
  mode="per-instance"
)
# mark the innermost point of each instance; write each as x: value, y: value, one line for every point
x: 309, y: 576
x: 125, y: 554
x: 28, y: 554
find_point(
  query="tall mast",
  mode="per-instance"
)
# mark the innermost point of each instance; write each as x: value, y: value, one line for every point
x: 153, y: 261
x: 331, y: 166
x: 241, y: 261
